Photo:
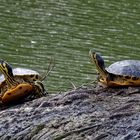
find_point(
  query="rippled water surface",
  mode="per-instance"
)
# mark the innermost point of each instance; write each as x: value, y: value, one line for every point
x: 33, y: 31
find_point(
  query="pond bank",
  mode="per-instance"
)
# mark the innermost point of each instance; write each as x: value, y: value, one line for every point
x: 82, y: 114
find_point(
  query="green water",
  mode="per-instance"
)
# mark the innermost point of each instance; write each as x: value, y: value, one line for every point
x: 32, y: 31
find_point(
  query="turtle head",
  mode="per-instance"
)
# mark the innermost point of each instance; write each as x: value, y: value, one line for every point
x: 99, y: 63
x: 6, y: 69
x: 97, y: 59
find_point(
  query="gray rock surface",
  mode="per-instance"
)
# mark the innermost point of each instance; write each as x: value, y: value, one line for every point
x: 81, y: 114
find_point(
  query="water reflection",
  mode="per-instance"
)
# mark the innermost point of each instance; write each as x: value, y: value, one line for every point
x: 34, y: 31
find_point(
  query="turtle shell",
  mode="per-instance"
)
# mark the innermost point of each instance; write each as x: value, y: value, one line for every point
x: 125, y: 68
x: 15, y: 94
x: 21, y: 72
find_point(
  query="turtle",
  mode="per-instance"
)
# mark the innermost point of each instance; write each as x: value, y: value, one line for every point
x: 19, y: 83
x: 121, y: 73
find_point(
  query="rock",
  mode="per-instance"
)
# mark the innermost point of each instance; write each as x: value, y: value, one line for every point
x: 81, y: 114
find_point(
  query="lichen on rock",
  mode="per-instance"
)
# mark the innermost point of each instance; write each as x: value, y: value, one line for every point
x: 83, y: 113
